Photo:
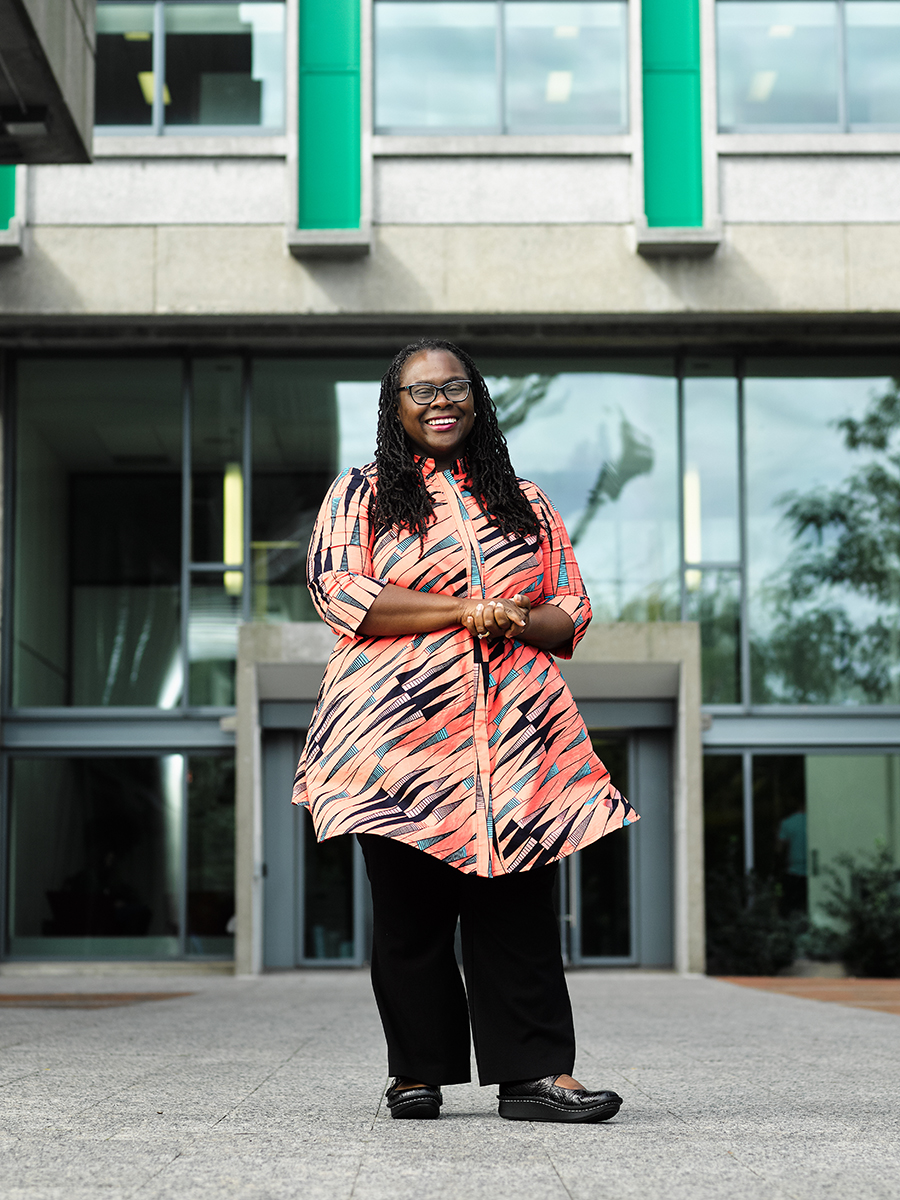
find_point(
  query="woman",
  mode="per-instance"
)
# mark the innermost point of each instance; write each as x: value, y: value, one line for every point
x: 445, y: 737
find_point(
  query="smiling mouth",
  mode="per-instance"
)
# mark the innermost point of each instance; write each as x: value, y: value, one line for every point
x: 442, y: 422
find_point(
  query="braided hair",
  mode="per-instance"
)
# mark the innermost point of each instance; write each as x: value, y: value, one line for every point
x: 402, y: 498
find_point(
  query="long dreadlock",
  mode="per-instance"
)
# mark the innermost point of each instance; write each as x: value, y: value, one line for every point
x: 402, y: 497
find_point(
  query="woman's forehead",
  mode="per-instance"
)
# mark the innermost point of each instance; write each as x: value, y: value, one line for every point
x: 430, y: 362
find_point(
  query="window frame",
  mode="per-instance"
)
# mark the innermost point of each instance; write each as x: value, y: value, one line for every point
x: 157, y: 128
x: 390, y: 137
x: 811, y: 139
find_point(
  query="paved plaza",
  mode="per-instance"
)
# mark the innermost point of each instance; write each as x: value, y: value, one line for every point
x: 263, y: 1088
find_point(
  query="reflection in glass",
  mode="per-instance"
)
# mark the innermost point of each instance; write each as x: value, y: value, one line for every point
x: 714, y: 599
x: 777, y: 63
x: 723, y: 813
x: 711, y: 532
x: 225, y: 64
x: 824, y: 542
x: 98, y: 533
x: 210, y: 854
x: 603, y: 444
x: 217, y: 447
x: 436, y: 65
x: 604, y: 919
x: 327, y: 895
x: 308, y: 424
x: 213, y: 618
x: 810, y: 810
x: 780, y: 827
x: 95, y: 857
x: 565, y: 66
x: 124, y: 64
x: 873, y: 62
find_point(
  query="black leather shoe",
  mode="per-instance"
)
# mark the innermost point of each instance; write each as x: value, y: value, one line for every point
x: 421, y: 1103
x: 542, y: 1100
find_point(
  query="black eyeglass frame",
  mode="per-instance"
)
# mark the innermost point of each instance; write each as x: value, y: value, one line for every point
x: 435, y: 388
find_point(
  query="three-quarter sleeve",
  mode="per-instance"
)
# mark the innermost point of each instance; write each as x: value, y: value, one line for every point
x: 562, y: 583
x: 339, y: 571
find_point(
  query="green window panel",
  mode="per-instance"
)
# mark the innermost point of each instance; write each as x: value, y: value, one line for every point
x: 7, y: 196
x: 329, y: 150
x: 673, y: 160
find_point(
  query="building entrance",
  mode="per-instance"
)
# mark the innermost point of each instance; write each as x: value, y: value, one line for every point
x: 615, y: 896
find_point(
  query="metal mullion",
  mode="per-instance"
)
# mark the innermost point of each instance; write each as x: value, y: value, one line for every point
x: 747, y: 775
x: 742, y: 540
x: 679, y: 372
x: 5, y: 854
x: 186, y: 501
x: 247, y: 467
x: 842, y: 66
x: 183, y: 882
x: 159, y: 67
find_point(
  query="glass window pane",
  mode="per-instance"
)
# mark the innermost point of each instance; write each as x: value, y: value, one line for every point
x: 210, y: 857
x: 603, y: 444
x: 225, y: 64
x: 604, y: 917
x: 95, y: 857
x: 124, y: 64
x: 873, y: 63
x: 327, y: 895
x: 217, y: 448
x: 714, y: 599
x: 711, y: 529
x: 777, y: 63
x: 213, y: 616
x: 98, y: 533
x: 723, y: 856
x: 824, y: 543
x: 565, y: 66
x: 436, y: 66
x: 810, y: 813
x: 310, y: 421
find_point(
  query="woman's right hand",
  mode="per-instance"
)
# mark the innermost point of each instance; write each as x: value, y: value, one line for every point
x: 499, y: 618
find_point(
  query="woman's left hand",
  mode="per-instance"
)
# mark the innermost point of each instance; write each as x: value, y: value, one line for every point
x: 503, y: 618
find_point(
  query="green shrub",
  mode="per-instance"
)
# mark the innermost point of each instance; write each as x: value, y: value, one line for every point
x: 864, y: 903
x: 745, y: 932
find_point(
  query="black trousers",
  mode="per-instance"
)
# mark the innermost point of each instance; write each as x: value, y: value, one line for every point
x: 515, y: 994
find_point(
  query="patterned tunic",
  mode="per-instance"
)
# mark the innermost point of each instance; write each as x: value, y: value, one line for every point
x: 470, y: 750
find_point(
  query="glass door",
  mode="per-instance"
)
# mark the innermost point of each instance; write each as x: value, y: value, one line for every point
x: 597, y: 885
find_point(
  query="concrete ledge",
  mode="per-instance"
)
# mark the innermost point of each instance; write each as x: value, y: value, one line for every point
x: 330, y: 243
x: 11, y: 240
x: 660, y: 242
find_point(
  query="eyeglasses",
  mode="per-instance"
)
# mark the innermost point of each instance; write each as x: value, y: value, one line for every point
x: 425, y: 393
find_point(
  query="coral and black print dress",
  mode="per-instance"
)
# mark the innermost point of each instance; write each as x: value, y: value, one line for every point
x: 470, y: 750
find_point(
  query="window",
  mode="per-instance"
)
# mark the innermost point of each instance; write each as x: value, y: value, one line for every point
x: 148, y: 490
x: 808, y: 65
x: 121, y: 857
x: 174, y: 67
x: 500, y: 66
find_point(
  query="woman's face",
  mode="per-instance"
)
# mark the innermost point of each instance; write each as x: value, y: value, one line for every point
x: 438, y: 430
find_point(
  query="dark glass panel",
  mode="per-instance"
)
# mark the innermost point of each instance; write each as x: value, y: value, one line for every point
x: 779, y: 826
x: 95, y: 857
x: 225, y: 64
x: 723, y: 812
x: 328, y: 895
x: 124, y: 64
x: 210, y: 855
x: 213, y: 615
x: 604, y: 922
x: 98, y: 533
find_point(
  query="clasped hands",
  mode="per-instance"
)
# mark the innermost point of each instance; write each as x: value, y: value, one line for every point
x: 503, y: 618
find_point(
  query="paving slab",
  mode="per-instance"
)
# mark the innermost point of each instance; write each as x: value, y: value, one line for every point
x: 271, y: 1087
